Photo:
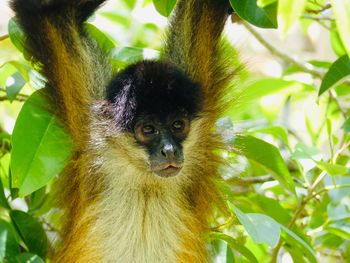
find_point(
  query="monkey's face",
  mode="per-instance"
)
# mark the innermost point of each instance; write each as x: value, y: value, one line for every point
x: 163, y: 142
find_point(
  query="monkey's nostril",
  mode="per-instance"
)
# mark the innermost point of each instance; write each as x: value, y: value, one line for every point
x: 163, y: 152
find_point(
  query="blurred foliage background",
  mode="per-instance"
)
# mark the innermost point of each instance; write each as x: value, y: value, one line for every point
x: 288, y: 182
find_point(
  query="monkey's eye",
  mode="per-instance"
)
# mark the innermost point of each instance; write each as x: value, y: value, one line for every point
x: 178, y: 125
x: 149, y: 130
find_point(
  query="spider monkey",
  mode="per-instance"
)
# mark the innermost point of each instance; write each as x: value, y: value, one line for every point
x: 142, y: 182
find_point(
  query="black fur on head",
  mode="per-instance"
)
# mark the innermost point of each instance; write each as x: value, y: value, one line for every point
x: 152, y: 88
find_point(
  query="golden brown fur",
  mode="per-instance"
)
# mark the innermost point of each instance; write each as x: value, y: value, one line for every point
x: 117, y: 210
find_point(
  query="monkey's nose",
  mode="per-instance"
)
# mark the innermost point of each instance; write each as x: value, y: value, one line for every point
x: 168, y: 152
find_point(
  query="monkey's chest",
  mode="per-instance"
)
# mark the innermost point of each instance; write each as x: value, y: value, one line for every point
x: 135, y: 227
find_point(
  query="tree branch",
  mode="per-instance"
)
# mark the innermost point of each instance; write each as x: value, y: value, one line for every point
x: 306, y: 67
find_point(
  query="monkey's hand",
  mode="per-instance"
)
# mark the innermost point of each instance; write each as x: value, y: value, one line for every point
x: 78, y: 9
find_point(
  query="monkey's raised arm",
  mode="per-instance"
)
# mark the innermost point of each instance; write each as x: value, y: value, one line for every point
x: 193, y: 41
x: 71, y: 62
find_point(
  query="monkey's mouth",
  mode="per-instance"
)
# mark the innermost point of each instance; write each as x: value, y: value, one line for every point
x: 168, y: 170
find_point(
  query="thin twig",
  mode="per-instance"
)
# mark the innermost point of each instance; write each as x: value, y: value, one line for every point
x: 306, y: 67
x: 324, y: 8
x: 18, y: 98
x: 316, y: 18
x: 3, y: 37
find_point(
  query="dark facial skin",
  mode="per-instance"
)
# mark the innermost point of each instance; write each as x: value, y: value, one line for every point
x: 163, y: 140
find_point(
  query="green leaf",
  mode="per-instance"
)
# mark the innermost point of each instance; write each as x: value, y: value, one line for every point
x: 132, y: 54
x: 16, y: 34
x: 270, y: 207
x: 235, y: 245
x: 291, y: 236
x: 31, y: 232
x: 22, y: 68
x: 41, y: 147
x: 266, y: 156
x: 164, y: 7
x: 120, y: 19
x: 28, y: 258
x: 261, y: 17
x: 333, y: 169
x: 15, y: 84
x: 276, y: 131
x: 288, y: 13
x: 37, y: 199
x: 340, y: 229
x: 261, y: 228
x: 346, y: 125
x: 341, y: 10
x: 337, y: 72
x: 303, y: 151
x: 337, y: 44
x: 104, y: 42
x: 3, y: 200
x: 267, y: 86
x: 263, y: 3
x: 130, y: 3
x: 230, y: 258
x: 9, y: 247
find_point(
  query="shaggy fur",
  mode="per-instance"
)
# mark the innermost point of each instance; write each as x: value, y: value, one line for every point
x: 116, y: 209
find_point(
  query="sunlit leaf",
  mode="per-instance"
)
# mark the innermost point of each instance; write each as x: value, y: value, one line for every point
x: 337, y: 72
x: 31, y: 231
x: 130, y: 3
x: 267, y: 86
x: 120, y: 19
x: 337, y: 44
x: 276, y: 131
x: 333, y: 169
x: 263, y: 3
x: 288, y: 13
x: 341, y: 9
x: 266, y: 156
x: 262, y: 17
x: 41, y: 147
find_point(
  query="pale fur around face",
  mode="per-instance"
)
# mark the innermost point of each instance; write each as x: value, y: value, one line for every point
x: 141, y: 217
